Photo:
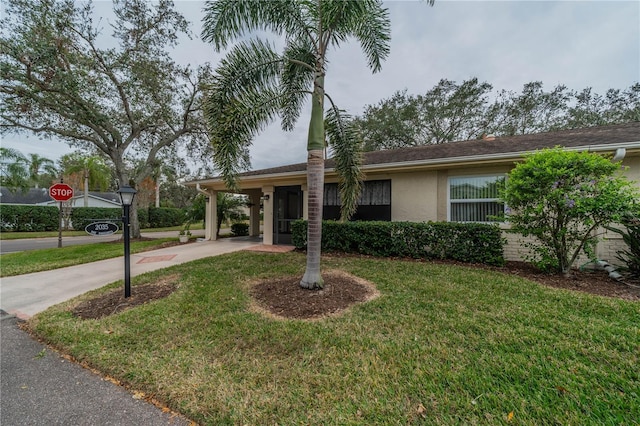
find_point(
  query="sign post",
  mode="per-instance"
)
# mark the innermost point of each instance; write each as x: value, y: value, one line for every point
x: 60, y: 192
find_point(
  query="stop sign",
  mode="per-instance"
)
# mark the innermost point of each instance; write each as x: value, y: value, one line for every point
x: 61, y: 192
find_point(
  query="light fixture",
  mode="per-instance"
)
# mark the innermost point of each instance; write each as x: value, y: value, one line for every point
x: 127, y: 194
x: 266, y: 197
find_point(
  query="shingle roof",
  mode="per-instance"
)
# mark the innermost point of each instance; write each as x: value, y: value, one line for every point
x: 592, y: 136
x: 31, y: 196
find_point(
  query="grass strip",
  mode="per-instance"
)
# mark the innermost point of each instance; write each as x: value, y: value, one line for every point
x: 442, y: 345
x: 30, y: 261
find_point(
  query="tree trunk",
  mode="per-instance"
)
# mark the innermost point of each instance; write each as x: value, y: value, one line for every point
x: 312, y: 278
x: 315, y: 184
x: 134, y: 221
x: 86, y: 189
x: 157, y: 193
x: 218, y: 225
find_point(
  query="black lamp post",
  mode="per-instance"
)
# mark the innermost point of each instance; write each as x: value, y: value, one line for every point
x: 126, y: 196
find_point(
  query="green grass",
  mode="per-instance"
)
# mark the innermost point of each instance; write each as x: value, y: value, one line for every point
x: 41, y: 234
x: 51, y: 234
x: 442, y: 345
x: 26, y: 262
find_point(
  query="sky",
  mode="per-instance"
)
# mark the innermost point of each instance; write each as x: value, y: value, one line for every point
x: 505, y: 43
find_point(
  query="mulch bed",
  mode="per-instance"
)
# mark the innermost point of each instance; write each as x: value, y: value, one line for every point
x: 285, y: 298
x: 114, y: 301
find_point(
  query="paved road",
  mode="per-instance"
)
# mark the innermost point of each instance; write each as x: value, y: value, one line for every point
x: 40, y: 387
x: 11, y: 246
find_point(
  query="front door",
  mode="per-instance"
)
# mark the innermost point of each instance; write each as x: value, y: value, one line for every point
x: 288, y: 207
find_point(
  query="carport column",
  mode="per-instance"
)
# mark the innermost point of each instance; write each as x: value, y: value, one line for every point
x: 254, y: 214
x: 305, y: 202
x: 267, y: 193
x: 212, y: 216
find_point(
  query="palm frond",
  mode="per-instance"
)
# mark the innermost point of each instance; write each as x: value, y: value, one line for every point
x: 243, y: 98
x: 233, y: 123
x: 366, y: 20
x: 346, y: 146
x: 296, y: 80
x: 250, y: 66
x: 227, y: 20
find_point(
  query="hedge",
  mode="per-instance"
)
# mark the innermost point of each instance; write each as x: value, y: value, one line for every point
x: 45, y: 218
x: 164, y: 217
x: 465, y: 242
x: 82, y: 216
x: 28, y: 218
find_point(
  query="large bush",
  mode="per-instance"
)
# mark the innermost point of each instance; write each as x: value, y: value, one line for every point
x: 561, y: 199
x: 465, y: 242
x: 164, y: 217
x: 29, y: 218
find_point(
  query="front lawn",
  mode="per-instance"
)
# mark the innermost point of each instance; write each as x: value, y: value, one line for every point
x: 442, y: 345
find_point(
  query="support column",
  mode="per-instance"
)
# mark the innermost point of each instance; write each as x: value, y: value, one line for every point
x: 254, y: 214
x: 211, y: 218
x: 268, y: 193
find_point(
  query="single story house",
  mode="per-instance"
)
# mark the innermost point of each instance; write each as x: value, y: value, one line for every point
x: 448, y: 182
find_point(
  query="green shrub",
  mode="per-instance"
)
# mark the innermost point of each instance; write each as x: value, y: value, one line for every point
x: 143, y: 218
x: 29, y: 218
x: 560, y: 199
x: 164, y: 217
x: 631, y: 255
x: 83, y: 216
x: 465, y: 242
x: 240, y: 229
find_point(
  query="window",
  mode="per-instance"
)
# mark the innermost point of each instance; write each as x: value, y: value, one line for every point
x: 474, y: 198
x: 374, y: 202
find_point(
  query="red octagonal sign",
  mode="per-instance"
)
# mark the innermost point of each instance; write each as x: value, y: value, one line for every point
x: 61, y: 192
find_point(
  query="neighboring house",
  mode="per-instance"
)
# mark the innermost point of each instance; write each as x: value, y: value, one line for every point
x: 455, y: 181
x: 40, y: 197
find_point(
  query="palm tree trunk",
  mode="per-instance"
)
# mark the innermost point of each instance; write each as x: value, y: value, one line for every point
x: 312, y: 278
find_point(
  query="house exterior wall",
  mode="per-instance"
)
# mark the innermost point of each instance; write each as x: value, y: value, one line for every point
x: 422, y: 196
x: 414, y: 196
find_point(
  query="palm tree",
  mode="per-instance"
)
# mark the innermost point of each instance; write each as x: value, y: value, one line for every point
x: 95, y: 172
x: 14, y: 173
x: 38, y: 166
x: 254, y: 84
x: 229, y: 207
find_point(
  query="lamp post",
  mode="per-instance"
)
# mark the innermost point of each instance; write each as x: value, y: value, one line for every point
x: 126, y: 196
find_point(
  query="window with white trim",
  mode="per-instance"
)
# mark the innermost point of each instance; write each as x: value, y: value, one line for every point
x: 475, y: 198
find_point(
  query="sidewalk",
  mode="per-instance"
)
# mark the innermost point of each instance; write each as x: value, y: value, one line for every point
x: 40, y: 387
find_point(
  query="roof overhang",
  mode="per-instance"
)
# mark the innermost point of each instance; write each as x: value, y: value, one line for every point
x: 256, y: 180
